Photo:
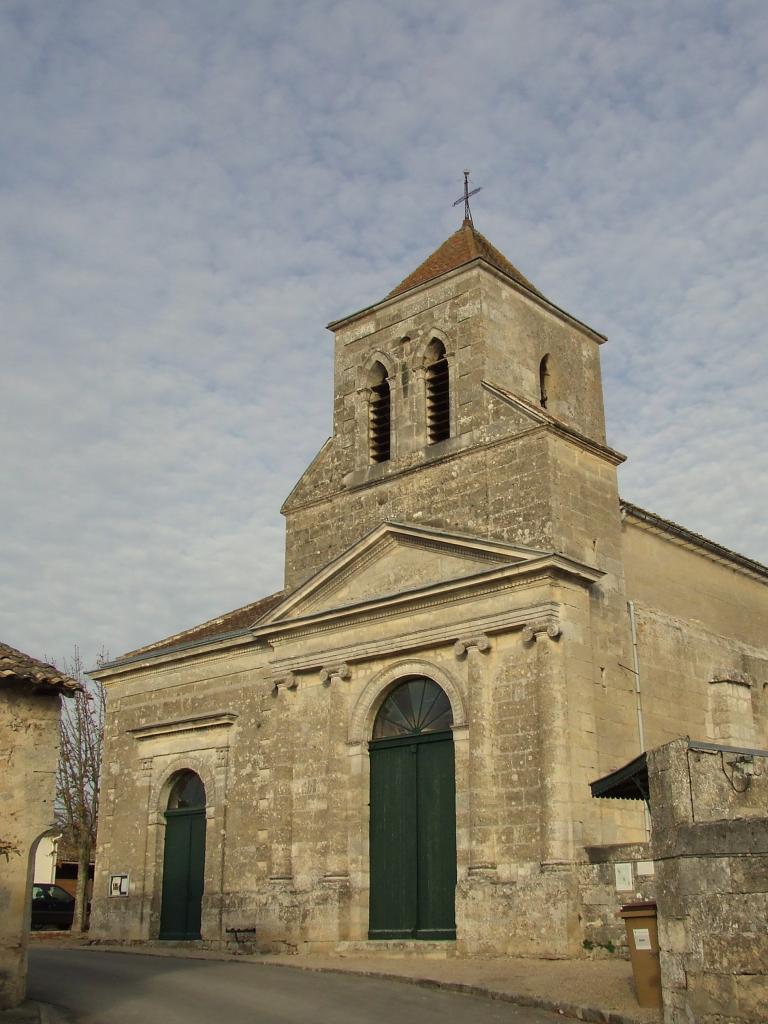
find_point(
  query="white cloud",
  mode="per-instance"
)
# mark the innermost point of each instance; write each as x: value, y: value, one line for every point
x: 196, y: 189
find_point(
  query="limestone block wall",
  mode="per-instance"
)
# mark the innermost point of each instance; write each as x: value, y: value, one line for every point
x: 455, y: 488
x: 610, y: 877
x: 520, y: 332
x: 29, y: 731
x: 702, y: 642
x: 603, y: 720
x: 710, y: 844
x: 205, y: 714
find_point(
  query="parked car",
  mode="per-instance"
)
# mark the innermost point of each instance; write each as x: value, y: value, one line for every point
x: 52, y: 906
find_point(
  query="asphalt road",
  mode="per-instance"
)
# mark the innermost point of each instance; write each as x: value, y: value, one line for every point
x: 93, y: 987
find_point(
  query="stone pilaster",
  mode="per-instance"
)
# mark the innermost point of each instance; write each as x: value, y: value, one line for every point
x: 336, y: 677
x: 482, y: 803
x: 282, y: 789
x: 556, y: 835
x: 730, y: 714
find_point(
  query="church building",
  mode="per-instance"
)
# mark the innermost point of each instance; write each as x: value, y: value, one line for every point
x: 474, y: 626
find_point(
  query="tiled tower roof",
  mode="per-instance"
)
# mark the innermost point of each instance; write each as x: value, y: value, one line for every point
x: 464, y: 245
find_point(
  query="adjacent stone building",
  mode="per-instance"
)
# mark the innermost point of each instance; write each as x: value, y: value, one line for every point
x: 474, y: 626
x: 710, y: 843
x: 29, y: 745
x: 709, y: 817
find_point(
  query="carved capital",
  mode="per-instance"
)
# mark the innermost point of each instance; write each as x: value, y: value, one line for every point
x: 330, y: 672
x: 286, y: 682
x: 222, y: 757
x: 548, y: 625
x: 481, y: 643
x: 145, y: 765
x: 733, y: 676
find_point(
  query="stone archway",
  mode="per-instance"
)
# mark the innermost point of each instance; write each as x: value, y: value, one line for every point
x: 376, y: 689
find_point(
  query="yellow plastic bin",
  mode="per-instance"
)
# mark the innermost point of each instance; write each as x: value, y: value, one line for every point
x: 643, y: 942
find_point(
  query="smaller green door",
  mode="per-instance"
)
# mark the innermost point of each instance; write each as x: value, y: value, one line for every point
x: 184, y: 858
x: 183, y: 867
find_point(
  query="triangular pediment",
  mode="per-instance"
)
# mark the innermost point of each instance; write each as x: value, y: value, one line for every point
x: 394, y: 559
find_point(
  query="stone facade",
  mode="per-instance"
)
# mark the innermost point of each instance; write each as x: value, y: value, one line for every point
x: 710, y: 843
x: 29, y: 746
x: 499, y: 563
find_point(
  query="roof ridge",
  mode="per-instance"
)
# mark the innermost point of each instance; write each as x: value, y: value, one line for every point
x: 473, y: 246
x: 240, y: 617
x: 692, y: 537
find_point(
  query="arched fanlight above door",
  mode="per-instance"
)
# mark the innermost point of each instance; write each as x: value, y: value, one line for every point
x: 414, y: 707
x: 187, y: 792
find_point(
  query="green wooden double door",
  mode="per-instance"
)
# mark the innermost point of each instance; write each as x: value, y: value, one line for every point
x: 413, y: 838
x: 183, y: 867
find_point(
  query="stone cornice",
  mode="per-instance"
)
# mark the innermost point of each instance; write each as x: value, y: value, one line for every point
x: 530, y: 572
x: 555, y: 426
x: 203, y: 652
x: 467, y: 634
x: 483, y: 264
x: 192, y: 723
x: 396, y: 470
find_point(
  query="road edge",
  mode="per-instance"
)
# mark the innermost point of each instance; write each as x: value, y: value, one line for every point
x: 589, y: 1014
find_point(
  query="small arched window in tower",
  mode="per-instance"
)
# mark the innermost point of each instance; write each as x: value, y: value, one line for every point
x: 379, y: 415
x: 438, y: 394
x: 544, y: 382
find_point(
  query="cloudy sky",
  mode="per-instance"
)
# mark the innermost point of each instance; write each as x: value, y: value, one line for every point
x: 190, y: 190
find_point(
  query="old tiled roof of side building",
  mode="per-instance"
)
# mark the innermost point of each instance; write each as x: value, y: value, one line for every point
x: 222, y: 625
x: 17, y: 667
x: 462, y: 247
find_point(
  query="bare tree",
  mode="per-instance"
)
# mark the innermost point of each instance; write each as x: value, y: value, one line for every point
x: 77, y: 783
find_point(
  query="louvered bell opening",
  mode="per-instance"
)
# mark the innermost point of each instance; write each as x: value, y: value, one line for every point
x: 379, y: 423
x: 438, y: 402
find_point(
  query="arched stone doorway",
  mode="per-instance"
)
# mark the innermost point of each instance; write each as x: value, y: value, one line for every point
x: 413, y: 815
x: 183, y: 859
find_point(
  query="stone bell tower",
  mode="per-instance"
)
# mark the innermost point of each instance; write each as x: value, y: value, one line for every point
x: 464, y: 400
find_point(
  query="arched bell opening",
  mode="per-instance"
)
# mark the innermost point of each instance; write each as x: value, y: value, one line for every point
x: 438, y: 393
x: 379, y: 414
x: 413, y: 815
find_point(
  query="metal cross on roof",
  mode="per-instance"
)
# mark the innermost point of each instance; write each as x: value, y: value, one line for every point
x: 465, y: 198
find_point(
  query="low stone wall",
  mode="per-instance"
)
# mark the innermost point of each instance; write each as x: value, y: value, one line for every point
x: 612, y: 876
x: 534, y: 916
x: 710, y: 844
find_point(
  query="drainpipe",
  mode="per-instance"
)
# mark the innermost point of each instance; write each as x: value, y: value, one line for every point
x: 636, y: 671
x: 638, y: 696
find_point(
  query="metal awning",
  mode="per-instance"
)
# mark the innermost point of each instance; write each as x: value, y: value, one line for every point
x: 630, y: 782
